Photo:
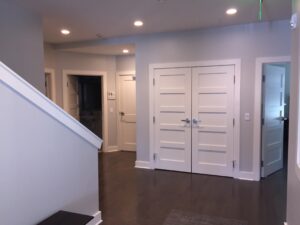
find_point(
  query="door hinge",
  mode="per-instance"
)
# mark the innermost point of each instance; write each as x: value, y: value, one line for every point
x: 233, y: 122
x: 262, y: 121
x: 262, y: 163
x: 264, y: 78
x: 233, y: 164
x: 154, y: 156
x: 153, y: 119
x: 153, y: 81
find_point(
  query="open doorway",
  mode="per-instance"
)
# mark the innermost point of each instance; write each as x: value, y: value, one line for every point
x: 271, y: 113
x: 90, y: 103
x: 275, y: 117
x: 84, y: 98
x: 271, y: 121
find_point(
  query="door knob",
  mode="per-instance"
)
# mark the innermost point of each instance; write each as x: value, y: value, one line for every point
x: 122, y: 113
x: 195, y: 121
x: 186, y: 120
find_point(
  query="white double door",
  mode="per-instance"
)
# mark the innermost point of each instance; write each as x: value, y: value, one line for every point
x: 194, y: 119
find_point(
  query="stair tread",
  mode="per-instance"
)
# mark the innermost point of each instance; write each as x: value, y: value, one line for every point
x: 66, y: 218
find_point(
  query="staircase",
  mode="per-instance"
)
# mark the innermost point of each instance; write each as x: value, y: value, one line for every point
x: 48, y: 160
x: 67, y: 218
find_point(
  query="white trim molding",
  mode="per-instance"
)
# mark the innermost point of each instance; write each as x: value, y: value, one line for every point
x: 257, y: 110
x: 101, y: 74
x: 97, y: 219
x: 112, y: 149
x: 237, y: 65
x: 27, y: 91
x: 51, y: 72
x: 245, y: 175
x: 143, y: 165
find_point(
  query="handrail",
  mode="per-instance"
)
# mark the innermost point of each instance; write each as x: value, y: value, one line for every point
x: 26, y: 90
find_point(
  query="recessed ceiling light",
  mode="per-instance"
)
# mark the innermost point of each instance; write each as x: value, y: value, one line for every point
x: 125, y: 51
x: 231, y: 11
x: 138, y: 23
x: 65, y: 31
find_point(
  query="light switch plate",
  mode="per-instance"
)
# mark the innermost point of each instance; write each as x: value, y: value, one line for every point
x: 111, y: 95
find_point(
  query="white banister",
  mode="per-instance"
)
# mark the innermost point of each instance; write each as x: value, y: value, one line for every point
x: 26, y: 90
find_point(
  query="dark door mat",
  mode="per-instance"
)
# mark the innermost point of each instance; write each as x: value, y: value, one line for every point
x: 178, y: 217
x: 66, y: 218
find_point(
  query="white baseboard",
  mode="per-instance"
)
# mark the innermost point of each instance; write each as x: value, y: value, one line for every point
x: 143, y: 165
x: 97, y: 219
x: 112, y: 149
x: 244, y: 175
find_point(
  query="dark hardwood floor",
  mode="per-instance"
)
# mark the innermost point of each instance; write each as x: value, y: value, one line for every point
x: 130, y: 196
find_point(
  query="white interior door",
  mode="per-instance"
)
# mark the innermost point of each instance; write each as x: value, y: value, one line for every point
x: 172, y: 119
x: 273, y: 119
x: 73, y: 97
x: 127, y: 112
x: 212, y: 125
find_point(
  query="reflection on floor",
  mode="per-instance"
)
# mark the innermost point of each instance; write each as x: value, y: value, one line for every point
x: 130, y: 196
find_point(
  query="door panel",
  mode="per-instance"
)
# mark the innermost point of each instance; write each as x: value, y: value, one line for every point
x: 212, y: 113
x: 273, y: 113
x: 73, y: 97
x: 172, y: 106
x: 127, y: 112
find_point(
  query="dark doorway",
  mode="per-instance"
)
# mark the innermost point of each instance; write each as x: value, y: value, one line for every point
x: 90, y: 103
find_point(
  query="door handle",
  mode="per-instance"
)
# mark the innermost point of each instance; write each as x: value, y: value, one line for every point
x: 281, y: 118
x: 122, y: 113
x: 188, y: 121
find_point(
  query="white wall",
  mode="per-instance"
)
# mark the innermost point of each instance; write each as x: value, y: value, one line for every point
x: 293, y: 196
x: 44, y: 166
x: 60, y: 61
x: 243, y: 41
x: 21, y: 43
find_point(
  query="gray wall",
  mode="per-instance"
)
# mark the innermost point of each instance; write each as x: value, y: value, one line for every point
x: 21, y: 43
x: 293, y: 202
x: 60, y: 61
x: 243, y: 41
x: 125, y: 63
x: 44, y: 167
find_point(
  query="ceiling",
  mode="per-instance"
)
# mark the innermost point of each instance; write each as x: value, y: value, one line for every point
x: 103, y: 49
x: 114, y: 18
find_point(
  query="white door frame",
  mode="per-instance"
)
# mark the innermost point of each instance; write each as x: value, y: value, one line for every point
x: 120, y: 73
x: 258, y: 108
x: 51, y: 72
x: 236, y: 132
x: 101, y: 74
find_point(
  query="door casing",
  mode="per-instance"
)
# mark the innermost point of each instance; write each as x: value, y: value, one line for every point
x: 101, y: 74
x: 51, y: 73
x: 237, y: 65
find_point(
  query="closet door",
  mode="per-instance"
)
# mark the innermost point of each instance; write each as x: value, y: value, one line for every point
x: 172, y: 119
x: 212, y: 120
